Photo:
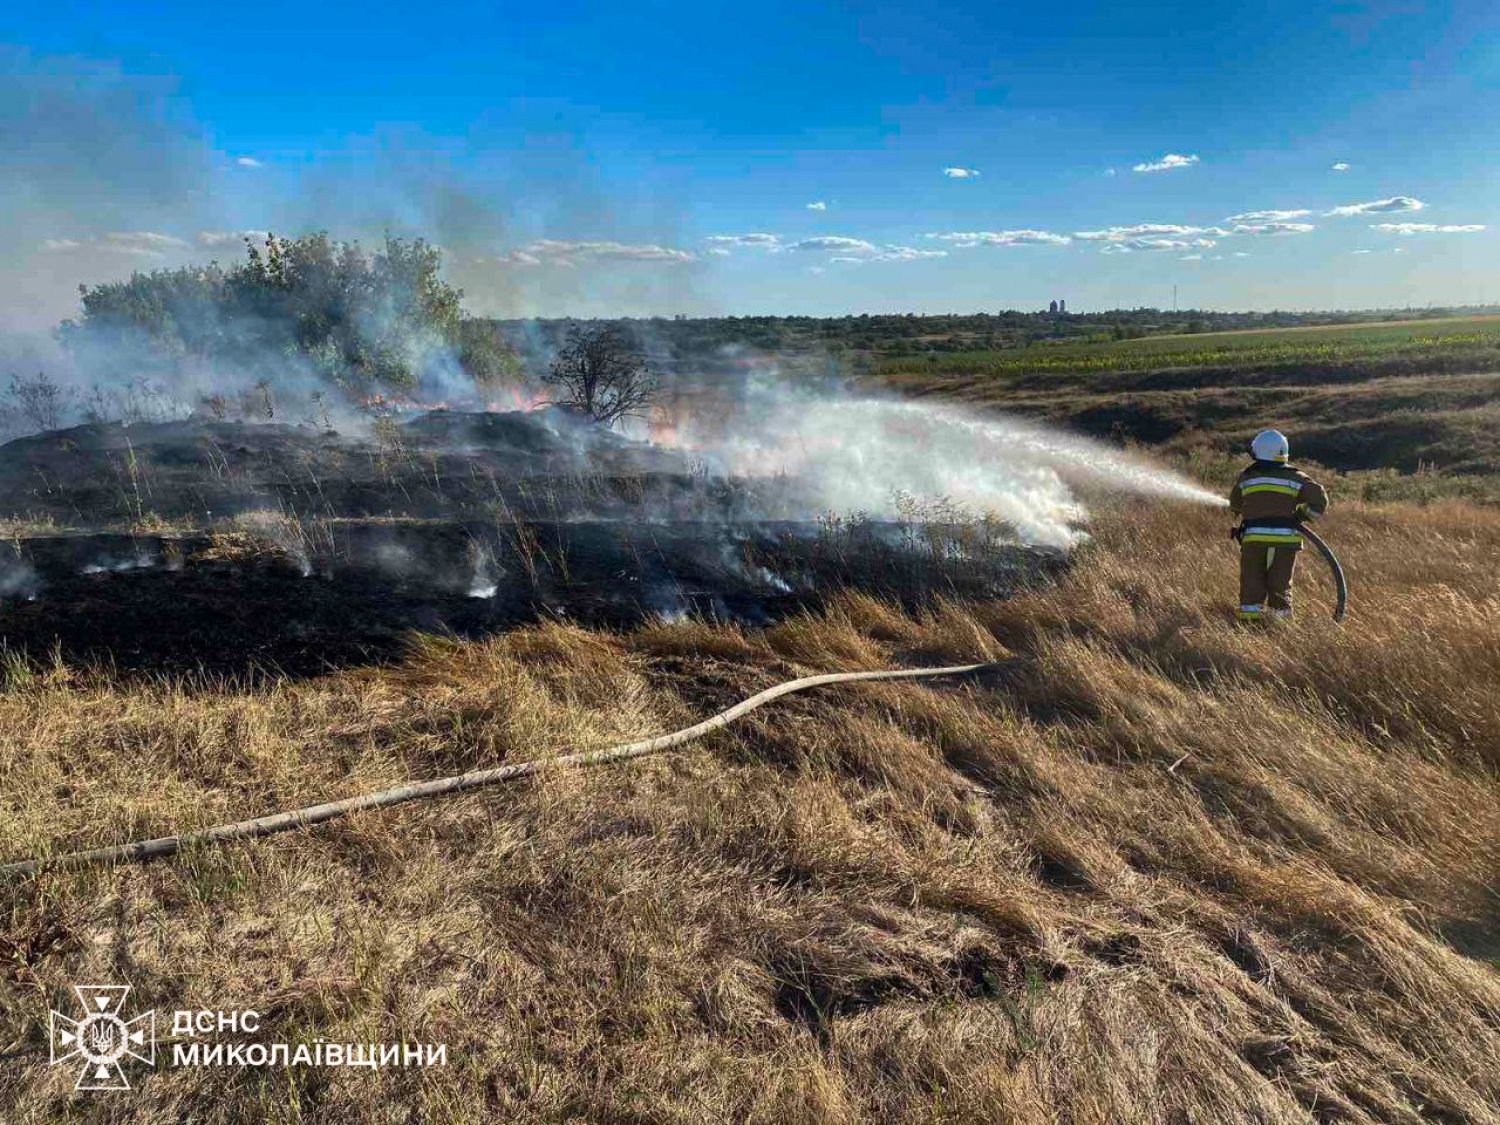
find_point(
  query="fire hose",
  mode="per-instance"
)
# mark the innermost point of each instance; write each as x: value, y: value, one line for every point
x: 1341, y: 588
x: 140, y: 850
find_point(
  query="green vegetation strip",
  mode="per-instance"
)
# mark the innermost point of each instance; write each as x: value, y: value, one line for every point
x: 1476, y: 337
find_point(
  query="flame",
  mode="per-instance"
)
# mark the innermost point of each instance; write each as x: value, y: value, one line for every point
x: 661, y: 427
x: 531, y: 400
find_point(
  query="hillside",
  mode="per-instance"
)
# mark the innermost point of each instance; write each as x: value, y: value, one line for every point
x: 1400, y: 396
x: 1156, y: 869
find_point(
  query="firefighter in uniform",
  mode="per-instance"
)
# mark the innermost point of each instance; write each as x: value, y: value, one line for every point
x: 1272, y: 500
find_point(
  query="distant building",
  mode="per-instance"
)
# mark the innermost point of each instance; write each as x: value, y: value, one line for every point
x: 1052, y: 308
x: 1062, y: 306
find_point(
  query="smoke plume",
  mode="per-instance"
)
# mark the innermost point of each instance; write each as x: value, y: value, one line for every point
x: 856, y: 452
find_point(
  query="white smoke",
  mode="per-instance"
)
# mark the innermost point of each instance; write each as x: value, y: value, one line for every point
x: 863, y: 453
x: 17, y: 578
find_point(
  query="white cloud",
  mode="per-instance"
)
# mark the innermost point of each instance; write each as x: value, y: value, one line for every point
x: 1170, y: 243
x: 1166, y: 163
x: 961, y: 173
x: 1239, y: 254
x: 907, y: 254
x: 1002, y: 238
x: 1427, y: 228
x: 856, y: 251
x: 566, y: 254
x: 1341, y: 166
x: 220, y: 239
x: 834, y: 243
x: 137, y: 243
x: 817, y: 205
x: 845, y: 249
x: 1109, y: 171
x: 1272, y: 228
x: 1266, y: 216
x: 1174, y: 236
x: 1140, y: 230
x: 728, y: 242
x: 1380, y: 206
x: 248, y: 162
x: 1191, y: 258
x: 1151, y: 237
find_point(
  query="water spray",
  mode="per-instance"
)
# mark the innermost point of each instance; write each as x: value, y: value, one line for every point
x: 854, y: 453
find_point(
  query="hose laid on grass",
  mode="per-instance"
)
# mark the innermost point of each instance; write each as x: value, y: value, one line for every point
x: 1340, y: 586
x: 139, y: 850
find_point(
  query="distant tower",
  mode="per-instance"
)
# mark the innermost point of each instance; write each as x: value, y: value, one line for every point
x: 1062, y: 306
x: 1052, y: 308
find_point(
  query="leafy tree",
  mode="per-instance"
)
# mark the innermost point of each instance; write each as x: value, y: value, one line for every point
x: 368, y: 322
x: 484, y: 353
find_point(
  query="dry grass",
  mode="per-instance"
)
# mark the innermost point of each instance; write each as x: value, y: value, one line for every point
x: 1162, y: 869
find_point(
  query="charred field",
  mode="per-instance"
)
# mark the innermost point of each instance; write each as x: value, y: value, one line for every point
x: 239, y: 548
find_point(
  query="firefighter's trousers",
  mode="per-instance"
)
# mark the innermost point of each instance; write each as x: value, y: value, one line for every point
x: 1266, y: 580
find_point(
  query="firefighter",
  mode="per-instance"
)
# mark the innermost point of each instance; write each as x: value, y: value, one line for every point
x: 1272, y: 500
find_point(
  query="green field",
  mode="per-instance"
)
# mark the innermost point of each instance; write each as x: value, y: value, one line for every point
x: 1414, y: 397
x: 1468, y: 339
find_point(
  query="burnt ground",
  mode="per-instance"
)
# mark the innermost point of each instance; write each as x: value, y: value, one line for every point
x: 234, y: 549
x: 197, y: 470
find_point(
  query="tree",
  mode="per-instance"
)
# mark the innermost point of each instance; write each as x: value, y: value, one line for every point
x: 484, y: 353
x: 39, y: 401
x: 603, y: 374
x: 369, y: 322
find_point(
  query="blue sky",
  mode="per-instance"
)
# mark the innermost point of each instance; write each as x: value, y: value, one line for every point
x: 590, y: 159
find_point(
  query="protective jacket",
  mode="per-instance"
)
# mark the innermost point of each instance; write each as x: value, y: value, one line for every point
x: 1272, y: 499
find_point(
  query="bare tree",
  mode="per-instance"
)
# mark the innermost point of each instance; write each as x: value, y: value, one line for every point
x: 602, y: 374
x: 40, y: 401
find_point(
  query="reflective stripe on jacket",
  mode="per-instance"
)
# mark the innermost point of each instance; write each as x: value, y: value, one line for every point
x: 1273, y: 499
x: 1275, y: 536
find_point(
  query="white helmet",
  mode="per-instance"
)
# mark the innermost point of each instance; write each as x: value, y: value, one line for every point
x: 1270, y: 445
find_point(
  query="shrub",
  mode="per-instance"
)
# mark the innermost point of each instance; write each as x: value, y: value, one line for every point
x: 368, y: 322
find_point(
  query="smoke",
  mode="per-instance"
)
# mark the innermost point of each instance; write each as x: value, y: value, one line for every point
x: 484, y: 581
x: 18, y: 579
x: 850, y: 452
x: 106, y: 169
